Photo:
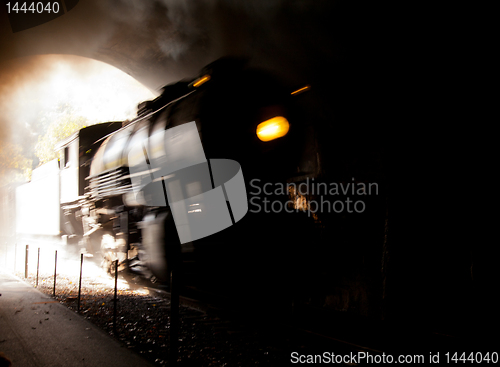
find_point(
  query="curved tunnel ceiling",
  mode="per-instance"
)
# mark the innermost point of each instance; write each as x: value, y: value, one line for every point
x: 161, y: 41
x: 132, y: 36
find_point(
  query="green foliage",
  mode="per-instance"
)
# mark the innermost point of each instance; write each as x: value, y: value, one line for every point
x: 14, y: 166
x: 16, y: 161
x: 58, y: 130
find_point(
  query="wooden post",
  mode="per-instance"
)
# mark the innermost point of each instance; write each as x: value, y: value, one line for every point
x: 80, y: 283
x: 26, y: 262
x: 174, y: 319
x: 115, y: 299
x: 55, y: 275
x: 37, y: 267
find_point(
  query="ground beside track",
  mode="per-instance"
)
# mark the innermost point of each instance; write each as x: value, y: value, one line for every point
x: 143, y: 323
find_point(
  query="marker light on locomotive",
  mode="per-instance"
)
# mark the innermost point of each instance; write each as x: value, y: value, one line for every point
x: 273, y: 128
x: 301, y: 90
x: 200, y: 81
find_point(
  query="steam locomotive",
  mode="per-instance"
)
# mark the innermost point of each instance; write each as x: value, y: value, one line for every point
x: 332, y: 260
x: 242, y: 114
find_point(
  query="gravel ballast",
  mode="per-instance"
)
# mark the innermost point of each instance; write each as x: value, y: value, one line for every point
x: 143, y: 324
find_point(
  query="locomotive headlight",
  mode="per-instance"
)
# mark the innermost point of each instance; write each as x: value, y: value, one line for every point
x: 273, y: 128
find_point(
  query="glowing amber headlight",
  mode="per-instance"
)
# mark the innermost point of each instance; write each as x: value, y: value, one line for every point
x: 273, y: 128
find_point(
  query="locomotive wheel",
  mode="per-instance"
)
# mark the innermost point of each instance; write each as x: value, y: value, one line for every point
x: 161, y: 244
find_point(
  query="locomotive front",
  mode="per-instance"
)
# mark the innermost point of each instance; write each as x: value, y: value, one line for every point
x: 228, y: 112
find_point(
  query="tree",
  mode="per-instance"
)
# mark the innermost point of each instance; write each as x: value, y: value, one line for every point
x: 58, y: 130
x: 15, y: 161
x: 14, y: 166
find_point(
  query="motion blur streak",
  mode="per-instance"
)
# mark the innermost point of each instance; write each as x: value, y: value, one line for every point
x: 303, y: 89
x: 200, y: 81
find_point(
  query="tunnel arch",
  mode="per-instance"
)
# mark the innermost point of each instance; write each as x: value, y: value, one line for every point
x: 91, y: 30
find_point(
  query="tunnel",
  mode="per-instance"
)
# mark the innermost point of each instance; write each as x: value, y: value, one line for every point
x: 403, y: 263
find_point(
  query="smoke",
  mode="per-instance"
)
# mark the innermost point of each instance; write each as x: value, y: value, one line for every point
x: 15, y: 80
x: 176, y: 38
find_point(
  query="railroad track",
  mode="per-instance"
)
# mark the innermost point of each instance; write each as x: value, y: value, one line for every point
x: 243, y: 322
